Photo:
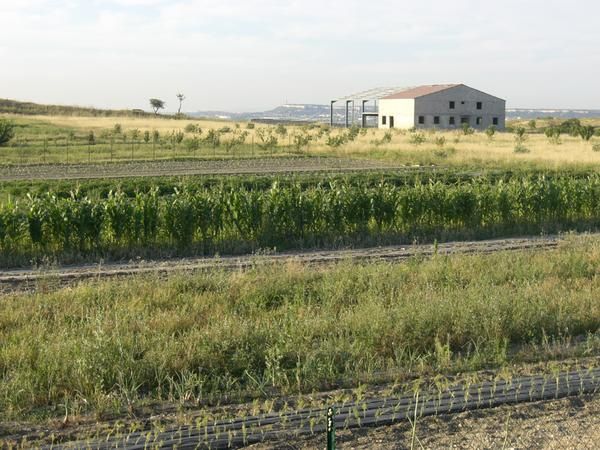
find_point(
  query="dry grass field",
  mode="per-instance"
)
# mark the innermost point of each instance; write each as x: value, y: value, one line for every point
x: 424, y: 148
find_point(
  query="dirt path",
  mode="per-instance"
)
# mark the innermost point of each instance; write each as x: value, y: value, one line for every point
x: 47, y: 278
x: 189, y: 167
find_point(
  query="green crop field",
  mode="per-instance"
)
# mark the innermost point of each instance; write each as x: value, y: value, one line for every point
x: 233, y: 219
x: 246, y: 339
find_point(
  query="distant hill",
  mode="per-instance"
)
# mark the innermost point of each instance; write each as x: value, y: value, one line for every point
x: 28, y: 108
x: 519, y: 113
x: 320, y: 113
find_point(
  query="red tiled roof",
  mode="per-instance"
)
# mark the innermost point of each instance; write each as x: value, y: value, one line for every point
x: 420, y: 91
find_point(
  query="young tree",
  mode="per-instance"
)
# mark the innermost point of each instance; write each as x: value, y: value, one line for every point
x: 490, y: 132
x: 181, y: 98
x: 157, y: 104
x: 7, y: 131
x: 586, y: 132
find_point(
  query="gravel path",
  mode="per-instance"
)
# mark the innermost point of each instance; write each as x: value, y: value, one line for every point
x: 30, y: 279
x: 189, y: 167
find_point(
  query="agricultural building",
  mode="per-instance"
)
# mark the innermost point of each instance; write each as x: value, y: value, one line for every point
x: 445, y: 106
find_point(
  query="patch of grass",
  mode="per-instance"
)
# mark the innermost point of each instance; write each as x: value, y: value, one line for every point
x: 287, y: 328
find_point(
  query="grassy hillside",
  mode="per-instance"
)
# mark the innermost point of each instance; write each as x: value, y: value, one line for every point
x: 28, y: 108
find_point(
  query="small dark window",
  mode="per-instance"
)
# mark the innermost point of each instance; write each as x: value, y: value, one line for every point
x: 452, y: 105
x: 479, y: 120
x: 451, y: 121
x: 462, y: 103
x: 436, y: 120
x: 383, y: 120
x: 479, y: 105
x: 495, y: 121
x: 421, y: 120
x: 391, y: 121
x: 464, y: 120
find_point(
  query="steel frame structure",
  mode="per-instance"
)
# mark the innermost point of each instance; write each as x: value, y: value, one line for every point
x: 363, y: 97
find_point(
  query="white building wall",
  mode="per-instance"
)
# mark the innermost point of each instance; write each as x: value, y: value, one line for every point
x: 407, y: 112
x: 465, y: 101
x: 402, y: 110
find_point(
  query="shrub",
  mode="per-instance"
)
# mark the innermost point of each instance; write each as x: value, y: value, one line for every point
x: 7, y: 131
x: 191, y: 128
x: 596, y: 147
x: 520, y: 137
x: 553, y: 134
x: 250, y: 126
x: 417, y: 138
x: 386, y: 139
x: 520, y: 148
x: 467, y: 130
x: 440, y: 141
x: 570, y: 127
x: 490, y: 132
x: 586, y: 132
x: 281, y: 130
x: 192, y: 144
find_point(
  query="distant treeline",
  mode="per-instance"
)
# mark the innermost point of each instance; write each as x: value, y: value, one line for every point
x: 28, y: 108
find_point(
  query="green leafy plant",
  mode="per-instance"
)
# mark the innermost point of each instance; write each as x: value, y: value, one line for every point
x: 490, y: 132
x: 417, y: 138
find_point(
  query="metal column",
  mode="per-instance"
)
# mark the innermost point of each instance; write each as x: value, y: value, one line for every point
x: 331, y: 113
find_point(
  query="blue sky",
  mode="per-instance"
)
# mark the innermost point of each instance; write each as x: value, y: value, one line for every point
x: 255, y: 54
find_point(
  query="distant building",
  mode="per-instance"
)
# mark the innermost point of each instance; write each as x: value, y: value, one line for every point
x: 444, y: 106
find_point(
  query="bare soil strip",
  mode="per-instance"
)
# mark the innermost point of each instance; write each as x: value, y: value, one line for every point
x: 48, y: 278
x: 275, y: 165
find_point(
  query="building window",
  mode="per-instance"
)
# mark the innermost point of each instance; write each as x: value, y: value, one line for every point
x: 464, y: 120
x: 421, y: 120
x: 479, y: 105
x: 479, y: 120
x: 391, y: 121
x: 383, y: 120
x: 452, y: 105
x: 451, y: 121
x: 462, y: 103
x: 436, y: 120
x: 495, y: 121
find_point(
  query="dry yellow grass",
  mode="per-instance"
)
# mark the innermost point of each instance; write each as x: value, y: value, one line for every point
x: 459, y: 150
x: 474, y: 150
x: 141, y: 123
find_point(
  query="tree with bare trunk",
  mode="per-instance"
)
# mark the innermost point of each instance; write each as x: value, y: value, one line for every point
x: 181, y: 98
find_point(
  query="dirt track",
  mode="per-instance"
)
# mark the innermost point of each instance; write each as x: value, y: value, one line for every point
x: 31, y: 280
x: 188, y: 167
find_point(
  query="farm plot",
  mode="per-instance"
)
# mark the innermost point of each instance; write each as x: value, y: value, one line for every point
x: 230, y: 220
x: 189, y: 167
x: 285, y: 329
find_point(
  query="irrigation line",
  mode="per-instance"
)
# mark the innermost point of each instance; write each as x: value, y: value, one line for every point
x: 373, y: 412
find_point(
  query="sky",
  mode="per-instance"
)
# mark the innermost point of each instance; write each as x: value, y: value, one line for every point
x: 250, y: 55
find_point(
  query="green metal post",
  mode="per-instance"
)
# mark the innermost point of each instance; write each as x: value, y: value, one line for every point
x: 330, y: 429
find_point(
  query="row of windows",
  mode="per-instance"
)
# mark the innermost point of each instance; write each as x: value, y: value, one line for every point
x: 452, y: 120
x: 437, y: 120
x: 452, y: 104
